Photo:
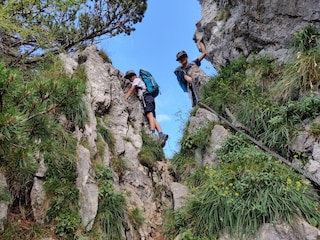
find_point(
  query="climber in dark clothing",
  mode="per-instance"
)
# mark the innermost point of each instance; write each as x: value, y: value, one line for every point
x: 190, y: 77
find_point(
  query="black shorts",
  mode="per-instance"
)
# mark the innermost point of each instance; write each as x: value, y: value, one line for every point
x: 150, y: 105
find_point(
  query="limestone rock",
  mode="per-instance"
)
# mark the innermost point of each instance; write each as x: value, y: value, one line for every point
x: 180, y: 193
x: 237, y: 28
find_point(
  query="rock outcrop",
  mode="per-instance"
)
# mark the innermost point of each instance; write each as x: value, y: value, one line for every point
x: 239, y: 28
x: 105, y: 101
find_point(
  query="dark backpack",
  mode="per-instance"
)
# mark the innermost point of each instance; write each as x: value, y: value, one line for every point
x: 151, y: 84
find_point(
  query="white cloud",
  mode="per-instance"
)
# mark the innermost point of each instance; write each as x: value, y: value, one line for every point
x: 163, y: 117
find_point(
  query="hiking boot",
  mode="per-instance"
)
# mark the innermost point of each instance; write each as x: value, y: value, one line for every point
x: 163, y: 139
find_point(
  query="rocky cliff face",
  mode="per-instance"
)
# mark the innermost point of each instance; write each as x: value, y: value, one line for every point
x: 105, y: 101
x: 234, y: 28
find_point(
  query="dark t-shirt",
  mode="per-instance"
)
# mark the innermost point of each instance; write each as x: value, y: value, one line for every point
x: 199, y: 77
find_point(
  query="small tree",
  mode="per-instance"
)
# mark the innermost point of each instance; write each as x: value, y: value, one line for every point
x: 30, y: 28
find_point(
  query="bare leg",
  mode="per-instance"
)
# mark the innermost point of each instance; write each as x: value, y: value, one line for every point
x: 152, y: 121
x: 157, y: 126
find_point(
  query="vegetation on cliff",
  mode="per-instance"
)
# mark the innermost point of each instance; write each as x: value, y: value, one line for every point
x: 250, y: 187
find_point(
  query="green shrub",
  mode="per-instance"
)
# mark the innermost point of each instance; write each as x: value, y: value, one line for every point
x: 29, y: 106
x: 137, y: 218
x: 111, y: 212
x: 150, y: 152
x: 119, y: 164
x: 221, y: 91
x: 183, y: 164
x: 299, y: 78
x: 302, y: 75
x: 315, y: 129
x: 111, y: 209
x: 273, y: 124
x: 305, y: 39
x: 241, y: 195
x: 106, y: 134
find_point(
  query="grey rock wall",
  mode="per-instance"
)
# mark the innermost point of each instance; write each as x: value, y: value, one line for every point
x: 234, y: 28
x: 106, y: 88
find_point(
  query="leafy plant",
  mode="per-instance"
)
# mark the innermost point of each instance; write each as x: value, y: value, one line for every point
x: 52, y: 25
x: 111, y: 208
x: 246, y: 191
x: 137, y: 217
x: 63, y: 194
x: 224, y: 86
x: 119, y: 164
x: 29, y: 106
x: 302, y: 75
x: 106, y: 134
x: 273, y: 124
x: 150, y: 152
x: 305, y: 39
x: 315, y: 128
x: 183, y: 164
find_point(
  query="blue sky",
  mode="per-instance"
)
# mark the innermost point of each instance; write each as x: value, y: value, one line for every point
x: 167, y: 28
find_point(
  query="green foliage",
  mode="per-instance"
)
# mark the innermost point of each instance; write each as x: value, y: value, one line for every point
x: 103, y: 174
x: 248, y: 189
x: 119, y: 164
x: 60, y: 186
x: 183, y: 164
x: 198, y: 139
x: 101, y: 148
x: 66, y: 25
x: 17, y: 230
x: 112, y: 205
x: 299, y: 77
x: 276, y: 125
x: 302, y: 75
x: 305, y: 39
x: 137, y: 218
x: 111, y: 212
x: 29, y: 132
x: 150, y: 152
x: 76, y: 111
x: 67, y: 223
x: 315, y: 128
x: 225, y: 86
x: 261, y: 73
x: 174, y: 222
x: 4, y: 194
x: 106, y: 134
x: 197, y: 178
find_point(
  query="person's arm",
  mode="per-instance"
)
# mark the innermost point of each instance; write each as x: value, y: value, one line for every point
x: 187, y: 78
x: 131, y: 90
x: 182, y: 75
x: 202, y: 49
